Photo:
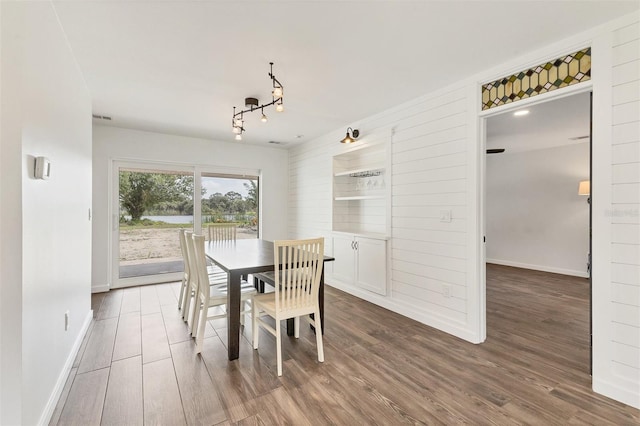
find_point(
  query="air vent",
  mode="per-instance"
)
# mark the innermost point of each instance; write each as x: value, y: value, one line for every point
x: 101, y: 117
x: 577, y: 138
x: 277, y: 143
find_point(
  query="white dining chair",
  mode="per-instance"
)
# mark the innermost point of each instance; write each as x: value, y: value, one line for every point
x: 222, y: 232
x: 216, y: 276
x: 210, y: 296
x: 297, y: 273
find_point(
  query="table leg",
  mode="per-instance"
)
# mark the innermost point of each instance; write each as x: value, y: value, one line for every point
x: 233, y: 315
x: 321, y: 299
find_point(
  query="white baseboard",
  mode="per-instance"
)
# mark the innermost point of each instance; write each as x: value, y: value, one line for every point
x: 100, y: 288
x: 441, y: 323
x: 551, y: 269
x: 64, y: 374
x: 630, y: 397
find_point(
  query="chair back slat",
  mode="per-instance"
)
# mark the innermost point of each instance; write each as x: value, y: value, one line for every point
x: 222, y: 232
x: 200, y: 263
x: 298, y: 268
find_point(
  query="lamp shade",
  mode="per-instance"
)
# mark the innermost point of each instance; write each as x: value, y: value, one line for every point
x: 584, y: 188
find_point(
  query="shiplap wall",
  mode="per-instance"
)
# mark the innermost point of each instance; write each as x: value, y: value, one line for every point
x: 429, y: 175
x: 435, y: 156
x: 625, y: 199
x: 429, y: 138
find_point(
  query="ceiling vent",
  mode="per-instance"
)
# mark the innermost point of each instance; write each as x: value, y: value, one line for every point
x: 577, y: 138
x: 277, y: 143
x: 101, y: 117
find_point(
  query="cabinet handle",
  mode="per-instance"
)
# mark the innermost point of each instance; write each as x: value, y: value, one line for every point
x: 352, y: 247
x: 356, y: 244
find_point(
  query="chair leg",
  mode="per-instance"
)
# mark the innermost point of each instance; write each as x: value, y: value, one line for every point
x: 278, y: 348
x: 180, y: 307
x: 318, y: 325
x: 204, y: 310
x: 194, y: 315
x: 254, y: 324
x: 186, y: 303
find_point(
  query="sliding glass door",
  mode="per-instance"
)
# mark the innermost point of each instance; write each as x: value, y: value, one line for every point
x: 230, y: 199
x: 151, y: 202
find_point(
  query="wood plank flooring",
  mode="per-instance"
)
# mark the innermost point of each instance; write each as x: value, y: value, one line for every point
x: 137, y: 365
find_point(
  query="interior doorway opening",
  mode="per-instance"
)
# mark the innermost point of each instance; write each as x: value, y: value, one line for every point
x: 534, y: 217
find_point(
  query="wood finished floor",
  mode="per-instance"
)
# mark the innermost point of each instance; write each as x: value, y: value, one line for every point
x: 137, y: 365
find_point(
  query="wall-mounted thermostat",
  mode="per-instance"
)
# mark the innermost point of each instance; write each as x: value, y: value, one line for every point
x: 43, y: 168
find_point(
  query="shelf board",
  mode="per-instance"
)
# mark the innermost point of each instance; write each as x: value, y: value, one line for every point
x: 360, y: 197
x: 363, y: 170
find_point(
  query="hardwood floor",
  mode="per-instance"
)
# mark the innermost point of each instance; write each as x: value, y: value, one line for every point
x: 137, y: 365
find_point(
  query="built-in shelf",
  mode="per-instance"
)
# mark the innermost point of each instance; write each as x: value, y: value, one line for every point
x: 361, y: 189
x: 366, y: 172
x: 360, y: 197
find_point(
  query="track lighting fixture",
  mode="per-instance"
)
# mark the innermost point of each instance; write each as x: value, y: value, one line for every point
x: 352, y: 135
x: 252, y: 104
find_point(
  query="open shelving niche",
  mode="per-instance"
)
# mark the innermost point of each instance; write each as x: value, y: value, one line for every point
x: 362, y: 190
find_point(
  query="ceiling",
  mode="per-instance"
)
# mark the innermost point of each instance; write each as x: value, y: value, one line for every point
x: 179, y: 67
x: 559, y: 122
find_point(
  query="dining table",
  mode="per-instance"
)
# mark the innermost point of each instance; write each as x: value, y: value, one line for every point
x: 240, y: 258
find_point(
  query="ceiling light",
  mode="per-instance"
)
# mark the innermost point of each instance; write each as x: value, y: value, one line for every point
x: 252, y: 104
x: 521, y: 112
x: 351, y: 136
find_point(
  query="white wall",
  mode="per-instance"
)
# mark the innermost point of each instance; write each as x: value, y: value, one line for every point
x: 535, y: 217
x: 437, y: 164
x: 429, y: 173
x: 46, y: 234
x: 112, y: 143
x: 617, y: 205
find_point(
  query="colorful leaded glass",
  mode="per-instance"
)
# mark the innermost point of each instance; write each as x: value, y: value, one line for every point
x: 562, y: 72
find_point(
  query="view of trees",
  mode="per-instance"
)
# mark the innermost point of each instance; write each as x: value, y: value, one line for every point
x: 157, y: 194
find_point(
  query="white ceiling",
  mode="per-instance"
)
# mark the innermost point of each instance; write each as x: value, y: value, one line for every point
x: 179, y: 67
x: 547, y: 125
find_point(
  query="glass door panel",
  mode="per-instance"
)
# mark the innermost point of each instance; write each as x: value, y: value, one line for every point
x: 153, y: 205
x: 230, y: 199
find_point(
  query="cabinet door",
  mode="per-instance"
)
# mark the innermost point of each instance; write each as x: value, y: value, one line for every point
x: 371, y: 264
x: 344, y: 253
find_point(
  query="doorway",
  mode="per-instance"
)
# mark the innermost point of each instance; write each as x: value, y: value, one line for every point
x: 533, y: 215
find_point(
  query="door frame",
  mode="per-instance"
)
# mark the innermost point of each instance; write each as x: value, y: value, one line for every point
x: 483, y: 116
x: 114, y: 220
x: 114, y: 208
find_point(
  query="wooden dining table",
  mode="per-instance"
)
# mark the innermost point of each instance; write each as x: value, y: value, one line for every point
x: 240, y: 258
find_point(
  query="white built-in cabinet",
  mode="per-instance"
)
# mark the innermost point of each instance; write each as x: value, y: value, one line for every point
x: 360, y: 261
x: 361, y: 217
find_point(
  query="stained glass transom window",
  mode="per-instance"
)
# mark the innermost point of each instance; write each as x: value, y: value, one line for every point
x: 562, y: 72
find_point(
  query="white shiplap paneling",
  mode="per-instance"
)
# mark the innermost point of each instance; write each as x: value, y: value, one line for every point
x: 436, y: 145
x: 625, y: 202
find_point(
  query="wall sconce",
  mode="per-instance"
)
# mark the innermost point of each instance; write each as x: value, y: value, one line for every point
x: 351, y: 137
x: 585, y: 189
